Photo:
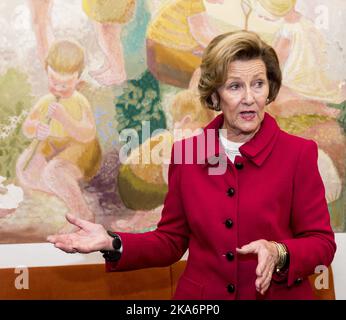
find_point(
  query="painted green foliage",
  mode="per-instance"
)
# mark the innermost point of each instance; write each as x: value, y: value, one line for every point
x: 15, y: 101
x: 140, y: 102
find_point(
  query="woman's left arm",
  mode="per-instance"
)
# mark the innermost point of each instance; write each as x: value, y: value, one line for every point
x: 313, y: 241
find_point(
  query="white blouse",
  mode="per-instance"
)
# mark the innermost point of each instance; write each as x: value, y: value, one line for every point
x: 231, y: 148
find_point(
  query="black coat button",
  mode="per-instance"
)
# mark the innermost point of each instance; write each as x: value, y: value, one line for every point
x: 229, y: 223
x: 231, y: 288
x: 298, y: 281
x: 229, y: 256
x: 239, y: 165
x: 231, y: 192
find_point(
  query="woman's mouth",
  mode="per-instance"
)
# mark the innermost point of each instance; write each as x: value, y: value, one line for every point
x: 248, y: 115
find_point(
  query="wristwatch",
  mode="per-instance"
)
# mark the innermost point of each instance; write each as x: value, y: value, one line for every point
x: 113, y: 255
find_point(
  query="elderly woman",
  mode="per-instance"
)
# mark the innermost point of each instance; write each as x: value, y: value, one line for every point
x: 250, y: 207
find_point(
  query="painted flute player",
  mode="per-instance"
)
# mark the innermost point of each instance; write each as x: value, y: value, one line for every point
x: 65, y: 148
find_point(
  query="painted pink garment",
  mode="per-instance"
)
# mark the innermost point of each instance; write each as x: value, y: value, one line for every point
x: 277, y: 195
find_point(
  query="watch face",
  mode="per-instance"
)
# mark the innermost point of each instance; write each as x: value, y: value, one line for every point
x: 116, y: 243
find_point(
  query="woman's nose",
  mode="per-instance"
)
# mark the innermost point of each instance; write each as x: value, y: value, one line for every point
x: 248, y: 97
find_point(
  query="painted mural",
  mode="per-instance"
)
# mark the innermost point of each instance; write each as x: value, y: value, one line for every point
x: 77, y: 76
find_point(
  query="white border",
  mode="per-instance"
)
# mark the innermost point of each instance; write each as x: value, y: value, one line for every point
x: 42, y: 255
x: 339, y: 267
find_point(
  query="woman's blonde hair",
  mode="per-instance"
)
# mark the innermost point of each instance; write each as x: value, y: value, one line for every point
x: 278, y: 8
x: 229, y: 47
x: 66, y: 57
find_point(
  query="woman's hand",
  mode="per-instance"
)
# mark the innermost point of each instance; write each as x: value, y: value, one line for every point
x: 268, y: 257
x: 89, y: 238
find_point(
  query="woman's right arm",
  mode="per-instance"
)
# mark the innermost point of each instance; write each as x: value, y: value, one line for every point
x: 157, y: 248
x: 168, y: 243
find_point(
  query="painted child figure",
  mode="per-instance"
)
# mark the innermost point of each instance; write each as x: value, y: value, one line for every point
x: 65, y: 150
x: 301, y: 49
x: 109, y: 17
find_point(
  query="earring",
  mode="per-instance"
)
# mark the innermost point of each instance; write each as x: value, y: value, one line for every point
x: 267, y: 101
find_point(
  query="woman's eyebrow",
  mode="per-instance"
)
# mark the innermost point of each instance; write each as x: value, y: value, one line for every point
x: 260, y: 74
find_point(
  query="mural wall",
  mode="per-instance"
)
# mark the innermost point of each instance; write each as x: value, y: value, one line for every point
x: 63, y: 124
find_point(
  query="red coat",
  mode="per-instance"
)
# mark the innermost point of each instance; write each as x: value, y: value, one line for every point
x: 273, y: 192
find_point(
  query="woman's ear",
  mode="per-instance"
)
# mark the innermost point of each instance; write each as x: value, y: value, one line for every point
x: 216, y: 101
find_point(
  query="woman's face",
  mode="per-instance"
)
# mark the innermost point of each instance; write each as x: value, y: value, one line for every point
x: 243, y: 98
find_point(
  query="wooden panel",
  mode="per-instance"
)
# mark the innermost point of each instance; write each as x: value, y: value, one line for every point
x: 322, y: 294
x: 88, y: 282
x: 176, y: 271
x: 92, y: 282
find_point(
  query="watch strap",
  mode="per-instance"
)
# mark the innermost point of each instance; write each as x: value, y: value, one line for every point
x: 113, y: 255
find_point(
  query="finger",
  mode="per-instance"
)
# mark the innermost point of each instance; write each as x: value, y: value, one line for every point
x: 248, y: 248
x: 82, y: 224
x: 264, y: 290
x: 265, y: 262
x: 266, y: 277
x: 63, y: 238
x: 51, y: 238
x: 83, y: 247
x: 266, y: 285
x: 267, y: 272
x: 267, y: 280
x: 65, y: 247
x: 262, y: 280
x: 263, y: 270
x: 262, y: 262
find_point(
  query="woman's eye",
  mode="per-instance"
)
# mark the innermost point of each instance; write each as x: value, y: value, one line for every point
x: 234, y: 86
x: 259, y: 84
